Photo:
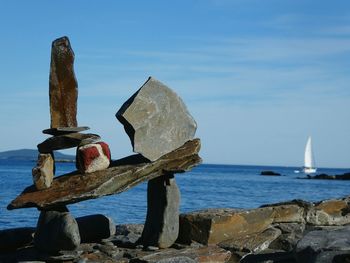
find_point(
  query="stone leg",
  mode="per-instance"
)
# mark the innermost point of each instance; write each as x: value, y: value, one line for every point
x: 162, y: 222
x: 56, y: 230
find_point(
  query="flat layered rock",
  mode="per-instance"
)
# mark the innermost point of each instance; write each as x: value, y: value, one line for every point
x: 63, y: 85
x: 66, y: 141
x: 212, y: 226
x: 65, y: 130
x: 120, y: 176
x: 156, y: 120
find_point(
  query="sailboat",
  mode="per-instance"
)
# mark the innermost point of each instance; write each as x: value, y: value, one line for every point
x: 309, y: 163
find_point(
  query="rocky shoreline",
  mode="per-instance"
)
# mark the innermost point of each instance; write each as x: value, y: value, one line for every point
x: 295, y: 231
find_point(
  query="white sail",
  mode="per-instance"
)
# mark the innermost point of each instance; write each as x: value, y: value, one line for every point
x: 309, y: 164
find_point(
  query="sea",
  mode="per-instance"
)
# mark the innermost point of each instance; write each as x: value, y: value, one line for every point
x: 206, y: 186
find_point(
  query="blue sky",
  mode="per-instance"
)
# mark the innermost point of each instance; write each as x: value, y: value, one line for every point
x: 258, y: 76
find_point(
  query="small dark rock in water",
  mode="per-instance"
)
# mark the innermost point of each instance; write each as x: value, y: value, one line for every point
x: 345, y: 176
x: 271, y: 173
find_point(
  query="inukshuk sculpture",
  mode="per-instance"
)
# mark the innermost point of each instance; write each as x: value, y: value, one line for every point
x: 161, y: 130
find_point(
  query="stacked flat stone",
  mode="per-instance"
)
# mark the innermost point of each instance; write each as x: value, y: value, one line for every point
x: 160, y: 129
x: 57, y: 229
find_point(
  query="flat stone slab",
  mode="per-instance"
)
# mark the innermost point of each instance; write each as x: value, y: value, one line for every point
x: 120, y: 176
x: 65, y: 130
x: 66, y: 141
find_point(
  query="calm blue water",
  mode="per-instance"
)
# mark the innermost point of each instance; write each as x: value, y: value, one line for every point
x: 204, y: 187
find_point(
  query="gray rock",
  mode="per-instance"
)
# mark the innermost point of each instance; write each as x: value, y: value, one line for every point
x: 66, y: 141
x: 44, y: 171
x: 11, y: 239
x: 156, y: 120
x: 65, y: 130
x: 291, y: 234
x: 63, y: 85
x: 127, y: 236
x: 162, y: 222
x: 56, y: 230
x: 93, y: 228
x: 314, y: 243
x: 252, y: 243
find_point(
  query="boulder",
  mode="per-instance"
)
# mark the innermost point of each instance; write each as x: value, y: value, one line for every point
x: 12, y: 239
x: 156, y: 120
x: 213, y: 226
x: 94, y: 228
x: 63, y: 85
x: 44, y: 171
x: 162, y: 222
x: 127, y: 236
x: 252, y: 243
x: 56, y: 230
x: 93, y: 157
x: 323, y: 245
x: 66, y: 141
x: 329, y: 212
x: 120, y: 176
x: 291, y: 234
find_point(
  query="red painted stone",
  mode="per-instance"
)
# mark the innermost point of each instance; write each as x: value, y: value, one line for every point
x: 93, y: 157
x: 105, y: 149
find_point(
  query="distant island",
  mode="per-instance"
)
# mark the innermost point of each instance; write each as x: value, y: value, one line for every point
x: 32, y: 155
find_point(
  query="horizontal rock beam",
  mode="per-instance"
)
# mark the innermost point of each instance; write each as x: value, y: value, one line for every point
x: 122, y: 175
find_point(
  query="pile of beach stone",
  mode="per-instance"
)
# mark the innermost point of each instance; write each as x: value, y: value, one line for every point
x: 161, y: 131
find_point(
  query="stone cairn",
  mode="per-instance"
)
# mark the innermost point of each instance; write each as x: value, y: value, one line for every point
x: 161, y: 131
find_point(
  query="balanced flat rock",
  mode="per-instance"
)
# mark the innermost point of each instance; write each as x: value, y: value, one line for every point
x: 66, y: 141
x: 120, y: 176
x: 65, y: 130
x: 156, y: 120
x: 63, y: 85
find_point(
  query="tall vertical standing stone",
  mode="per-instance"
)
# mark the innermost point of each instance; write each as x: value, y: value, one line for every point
x: 162, y: 222
x: 63, y: 85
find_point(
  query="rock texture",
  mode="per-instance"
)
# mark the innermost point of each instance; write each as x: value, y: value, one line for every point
x: 213, y: 226
x: 156, y: 120
x: 93, y: 157
x: 329, y: 212
x: 44, y: 171
x: 162, y: 221
x: 323, y: 245
x: 255, y: 242
x: 120, y: 176
x: 66, y: 141
x: 63, y: 85
x: 56, y: 230
x: 65, y: 130
x: 12, y: 239
x: 94, y: 228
